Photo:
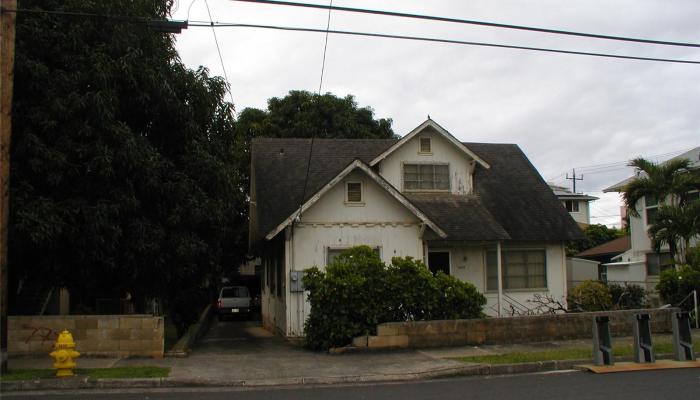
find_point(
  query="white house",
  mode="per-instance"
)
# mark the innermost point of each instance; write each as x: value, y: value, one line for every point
x: 473, y: 210
x: 640, y: 264
x: 577, y: 204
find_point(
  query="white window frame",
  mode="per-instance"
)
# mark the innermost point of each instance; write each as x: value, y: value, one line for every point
x: 362, y: 194
x: 647, y: 208
x: 504, y: 275
x: 576, y: 209
x: 403, y: 176
x: 420, y: 145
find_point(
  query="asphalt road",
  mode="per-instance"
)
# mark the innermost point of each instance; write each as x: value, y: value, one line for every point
x: 667, y: 384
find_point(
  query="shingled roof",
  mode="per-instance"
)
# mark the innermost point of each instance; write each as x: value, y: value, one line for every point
x: 512, y: 202
x: 518, y: 198
x: 280, y: 169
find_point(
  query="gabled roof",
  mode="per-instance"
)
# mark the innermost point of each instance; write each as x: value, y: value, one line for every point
x: 357, y: 164
x: 430, y: 123
x: 279, y: 166
x: 512, y: 200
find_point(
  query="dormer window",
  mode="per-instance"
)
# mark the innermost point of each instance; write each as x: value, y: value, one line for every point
x: 425, y: 146
x: 353, y: 193
x: 429, y: 177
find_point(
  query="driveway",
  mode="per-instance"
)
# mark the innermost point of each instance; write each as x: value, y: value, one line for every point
x: 238, y: 337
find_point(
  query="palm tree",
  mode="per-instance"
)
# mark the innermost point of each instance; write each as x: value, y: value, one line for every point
x: 669, y: 179
x: 674, y: 226
x: 676, y: 220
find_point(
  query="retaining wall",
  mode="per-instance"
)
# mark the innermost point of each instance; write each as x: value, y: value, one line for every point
x: 100, y: 335
x: 527, y: 329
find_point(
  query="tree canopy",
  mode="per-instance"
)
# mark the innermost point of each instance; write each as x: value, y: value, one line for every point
x: 123, y: 174
x: 128, y: 170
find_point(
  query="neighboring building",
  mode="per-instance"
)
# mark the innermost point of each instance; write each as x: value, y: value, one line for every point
x: 577, y: 204
x: 592, y: 263
x: 641, y: 264
x: 453, y: 205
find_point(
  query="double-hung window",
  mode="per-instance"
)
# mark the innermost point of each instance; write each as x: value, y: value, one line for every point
x: 571, y: 205
x: 651, y: 206
x: 426, y: 177
x: 521, y: 269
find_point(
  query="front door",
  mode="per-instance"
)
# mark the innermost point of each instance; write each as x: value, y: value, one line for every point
x: 439, y: 261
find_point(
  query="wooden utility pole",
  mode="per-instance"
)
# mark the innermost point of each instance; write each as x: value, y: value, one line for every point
x: 574, y: 178
x: 7, y: 63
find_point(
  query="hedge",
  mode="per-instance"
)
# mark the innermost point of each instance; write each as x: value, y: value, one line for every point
x: 358, y: 291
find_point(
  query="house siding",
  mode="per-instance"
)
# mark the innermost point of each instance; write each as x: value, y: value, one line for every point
x: 442, y: 152
x: 381, y: 222
x: 469, y: 264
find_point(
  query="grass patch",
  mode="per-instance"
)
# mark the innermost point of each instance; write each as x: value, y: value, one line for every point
x: 570, y: 353
x: 92, y: 373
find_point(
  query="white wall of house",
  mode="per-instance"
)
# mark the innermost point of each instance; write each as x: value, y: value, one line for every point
x: 634, y: 273
x: 333, y: 223
x: 583, y: 215
x: 556, y: 279
x: 468, y: 263
x: 391, y: 168
x: 639, y: 238
x: 579, y: 270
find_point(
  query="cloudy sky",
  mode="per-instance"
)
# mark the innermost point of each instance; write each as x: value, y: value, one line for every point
x: 564, y: 111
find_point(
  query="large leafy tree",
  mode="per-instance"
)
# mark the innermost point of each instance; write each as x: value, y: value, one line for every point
x: 123, y: 161
x: 670, y: 182
x: 302, y: 114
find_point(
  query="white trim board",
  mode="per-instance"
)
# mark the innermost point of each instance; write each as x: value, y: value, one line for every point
x: 440, y: 130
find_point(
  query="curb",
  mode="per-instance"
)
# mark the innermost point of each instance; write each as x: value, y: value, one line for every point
x: 462, y: 370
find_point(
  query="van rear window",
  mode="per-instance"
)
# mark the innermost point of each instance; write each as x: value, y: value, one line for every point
x: 235, y: 292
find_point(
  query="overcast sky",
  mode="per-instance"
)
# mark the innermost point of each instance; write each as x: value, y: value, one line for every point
x: 564, y: 111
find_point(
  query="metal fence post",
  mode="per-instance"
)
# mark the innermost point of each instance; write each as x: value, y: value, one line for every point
x: 602, y: 344
x: 682, y: 338
x: 643, y: 348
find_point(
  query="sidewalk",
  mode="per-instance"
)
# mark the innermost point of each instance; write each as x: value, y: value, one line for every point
x: 270, y: 361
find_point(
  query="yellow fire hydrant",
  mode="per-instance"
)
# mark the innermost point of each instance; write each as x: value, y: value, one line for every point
x: 64, y: 354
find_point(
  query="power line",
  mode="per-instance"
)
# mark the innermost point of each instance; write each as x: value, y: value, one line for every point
x: 439, y: 40
x: 352, y: 33
x: 612, y: 163
x: 473, y: 22
x: 325, y: 47
x: 221, y: 59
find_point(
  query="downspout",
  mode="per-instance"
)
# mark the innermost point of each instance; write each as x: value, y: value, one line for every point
x: 500, y: 276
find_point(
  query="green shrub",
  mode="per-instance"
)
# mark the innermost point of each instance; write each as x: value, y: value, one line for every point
x: 627, y: 297
x: 357, y: 292
x: 590, y: 296
x: 675, y: 285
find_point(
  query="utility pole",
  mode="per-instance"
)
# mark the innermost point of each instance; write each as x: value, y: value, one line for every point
x: 7, y: 63
x: 574, y: 178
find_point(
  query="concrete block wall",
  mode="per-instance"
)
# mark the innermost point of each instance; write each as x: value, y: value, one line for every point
x: 527, y: 329
x: 100, y: 335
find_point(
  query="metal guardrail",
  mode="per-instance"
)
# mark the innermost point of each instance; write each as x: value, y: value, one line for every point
x: 694, y: 313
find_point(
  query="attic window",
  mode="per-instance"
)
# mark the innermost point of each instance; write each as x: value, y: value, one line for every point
x: 353, y: 192
x: 426, y: 177
x: 425, y: 145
